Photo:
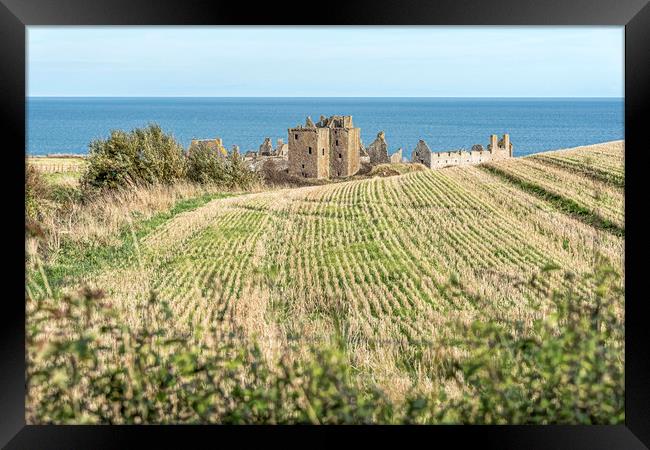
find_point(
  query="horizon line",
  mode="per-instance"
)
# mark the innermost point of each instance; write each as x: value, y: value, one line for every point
x: 296, y: 96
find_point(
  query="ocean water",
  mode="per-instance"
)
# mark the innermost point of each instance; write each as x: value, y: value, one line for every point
x: 67, y: 125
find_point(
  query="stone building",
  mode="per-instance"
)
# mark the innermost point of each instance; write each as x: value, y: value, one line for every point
x: 378, y: 150
x: 309, y: 151
x: 329, y: 148
x: 214, y: 144
x: 434, y: 160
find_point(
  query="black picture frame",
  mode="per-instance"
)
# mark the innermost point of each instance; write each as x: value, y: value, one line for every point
x: 15, y: 15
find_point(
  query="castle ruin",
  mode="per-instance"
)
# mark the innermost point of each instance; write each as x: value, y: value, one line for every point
x: 332, y: 148
x: 329, y: 148
x: 497, y: 149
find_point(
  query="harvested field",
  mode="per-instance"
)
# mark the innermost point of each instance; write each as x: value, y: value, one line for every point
x: 389, y: 264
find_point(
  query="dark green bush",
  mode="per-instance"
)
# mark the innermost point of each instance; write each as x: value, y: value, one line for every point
x: 143, y: 156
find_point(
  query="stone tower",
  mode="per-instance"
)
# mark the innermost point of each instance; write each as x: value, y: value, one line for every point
x: 329, y: 148
x: 493, y: 143
x: 309, y: 151
x: 345, y: 141
x: 507, y: 145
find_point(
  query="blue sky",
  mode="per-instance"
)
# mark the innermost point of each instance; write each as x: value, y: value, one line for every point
x: 326, y: 61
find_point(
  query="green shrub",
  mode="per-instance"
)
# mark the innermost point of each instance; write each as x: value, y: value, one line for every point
x: 240, y: 174
x: 143, y: 156
x: 111, y: 373
x: 570, y: 370
x: 207, y: 165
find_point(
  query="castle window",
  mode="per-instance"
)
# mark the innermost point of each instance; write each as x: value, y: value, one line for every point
x: 338, y: 173
x: 340, y: 156
x: 296, y: 136
x: 337, y: 142
x: 303, y: 166
x: 323, y: 152
x: 310, y: 150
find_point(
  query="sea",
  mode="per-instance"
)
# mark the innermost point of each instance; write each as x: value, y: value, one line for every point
x: 68, y: 125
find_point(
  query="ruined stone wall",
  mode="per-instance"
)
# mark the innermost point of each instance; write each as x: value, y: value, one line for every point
x: 378, y: 150
x: 465, y: 158
x: 459, y: 158
x: 309, y: 155
x: 396, y: 157
x: 344, y: 151
x: 437, y: 160
x: 266, y: 149
x: 421, y: 154
x: 282, y: 149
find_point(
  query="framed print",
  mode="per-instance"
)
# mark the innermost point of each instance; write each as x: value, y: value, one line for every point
x: 418, y: 215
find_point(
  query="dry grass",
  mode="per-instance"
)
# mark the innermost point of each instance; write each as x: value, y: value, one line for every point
x: 52, y: 164
x: 98, y: 222
x: 573, y: 175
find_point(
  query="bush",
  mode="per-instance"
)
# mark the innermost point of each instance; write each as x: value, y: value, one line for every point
x: 207, y: 165
x: 143, y: 156
x: 111, y: 373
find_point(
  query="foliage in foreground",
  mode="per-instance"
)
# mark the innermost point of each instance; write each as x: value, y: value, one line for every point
x: 570, y: 370
x: 158, y: 378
